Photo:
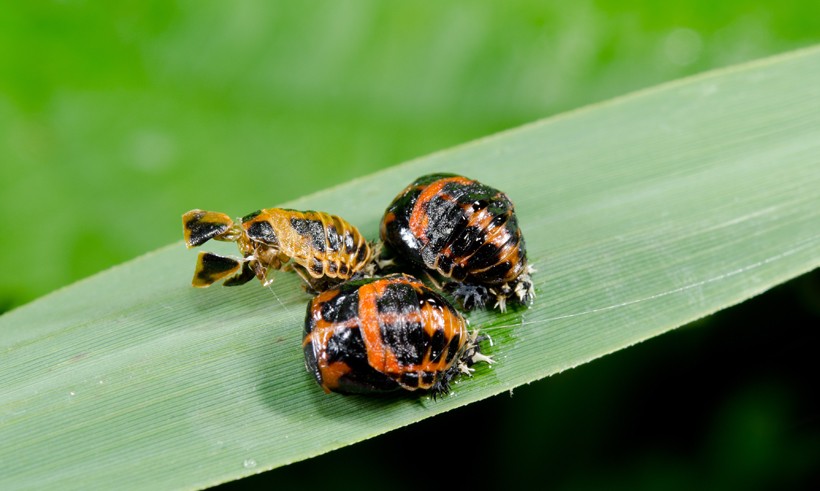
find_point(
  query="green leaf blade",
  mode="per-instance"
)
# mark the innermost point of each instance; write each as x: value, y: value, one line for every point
x: 641, y: 214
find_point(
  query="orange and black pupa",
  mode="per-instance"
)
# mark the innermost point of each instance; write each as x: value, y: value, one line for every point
x: 465, y: 232
x: 323, y: 249
x: 383, y: 334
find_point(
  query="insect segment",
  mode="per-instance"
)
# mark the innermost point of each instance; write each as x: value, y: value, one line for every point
x: 466, y: 232
x: 382, y: 334
x: 323, y: 249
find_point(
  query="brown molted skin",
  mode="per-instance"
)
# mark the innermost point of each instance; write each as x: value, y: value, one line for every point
x: 325, y: 245
x: 323, y: 249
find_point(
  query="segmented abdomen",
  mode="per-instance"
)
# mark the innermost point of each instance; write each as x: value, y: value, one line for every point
x: 325, y: 245
x: 373, y: 335
x: 461, y: 228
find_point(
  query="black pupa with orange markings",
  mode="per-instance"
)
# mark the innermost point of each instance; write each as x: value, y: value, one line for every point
x: 383, y: 334
x: 465, y: 232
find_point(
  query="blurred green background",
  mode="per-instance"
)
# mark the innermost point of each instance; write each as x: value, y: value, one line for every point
x: 117, y: 117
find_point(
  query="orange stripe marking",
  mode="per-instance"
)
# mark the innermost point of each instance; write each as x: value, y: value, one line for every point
x: 419, y: 218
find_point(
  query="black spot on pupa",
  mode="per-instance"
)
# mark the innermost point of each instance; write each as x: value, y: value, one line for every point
x: 452, y: 349
x: 341, y: 308
x: 485, y: 256
x: 407, y: 340
x: 346, y: 345
x: 410, y: 379
x: 494, y: 273
x: 398, y: 298
x: 311, y: 363
x: 445, y: 264
x: 467, y: 242
x: 427, y: 378
x: 437, y: 345
x: 309, y: 324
